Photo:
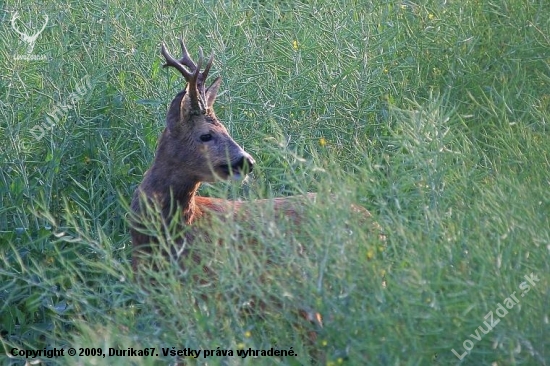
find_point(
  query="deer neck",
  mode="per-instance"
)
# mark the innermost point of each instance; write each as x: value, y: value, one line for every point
x: 173, y: 195
x: 171, y: 191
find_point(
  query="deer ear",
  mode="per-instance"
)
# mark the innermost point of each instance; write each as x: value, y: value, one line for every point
x: 178, y: 108
x: 212, y: 92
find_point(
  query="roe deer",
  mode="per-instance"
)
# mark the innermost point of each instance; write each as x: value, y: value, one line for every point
x: 195, y: 147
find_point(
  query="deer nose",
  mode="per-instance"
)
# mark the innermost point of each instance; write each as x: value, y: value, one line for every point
x: 245, y: 163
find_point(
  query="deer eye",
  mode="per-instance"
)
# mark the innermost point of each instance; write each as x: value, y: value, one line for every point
x: 206, y: 137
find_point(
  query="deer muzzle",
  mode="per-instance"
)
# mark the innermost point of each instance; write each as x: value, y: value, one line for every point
x: 244, y: 165
x: 239, y: 168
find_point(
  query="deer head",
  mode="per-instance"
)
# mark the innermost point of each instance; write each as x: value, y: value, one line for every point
x: 195, y: 146
x: 31, y: 40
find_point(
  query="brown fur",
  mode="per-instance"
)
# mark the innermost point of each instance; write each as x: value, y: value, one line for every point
x: 183, y: 160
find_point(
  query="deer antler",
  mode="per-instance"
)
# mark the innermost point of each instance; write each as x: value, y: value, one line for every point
x: 195, y: 79
x: 24, y: 36
x: 14, y: 17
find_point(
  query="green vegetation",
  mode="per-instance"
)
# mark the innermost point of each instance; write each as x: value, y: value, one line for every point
x: 431, y: 114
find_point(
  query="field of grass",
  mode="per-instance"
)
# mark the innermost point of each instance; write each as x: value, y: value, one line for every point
x: 432, y: 114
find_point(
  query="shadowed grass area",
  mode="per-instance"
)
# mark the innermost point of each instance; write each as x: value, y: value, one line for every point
x: 432, y: 115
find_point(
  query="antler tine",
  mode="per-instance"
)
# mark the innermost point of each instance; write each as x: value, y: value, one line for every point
x: 171, y: 61
x: 207, y: 68
x: 186, y: 58
x: 194, y: 82
x: 201, y: 57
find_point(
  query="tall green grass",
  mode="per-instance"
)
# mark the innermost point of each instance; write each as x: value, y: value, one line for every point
x: 433, y: 115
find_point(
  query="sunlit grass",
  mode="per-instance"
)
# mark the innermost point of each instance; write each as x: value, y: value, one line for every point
x: 433, y: 115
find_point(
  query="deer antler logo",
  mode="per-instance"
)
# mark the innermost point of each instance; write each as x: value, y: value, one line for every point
x: 31, y: 40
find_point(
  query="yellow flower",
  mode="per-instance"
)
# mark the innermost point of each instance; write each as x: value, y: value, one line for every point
x: 322, y: 142
x: 370, y: 254
x: 431, y: 16
x: 295, y: 45
x: 241, y: 345
x: 247, y: 334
